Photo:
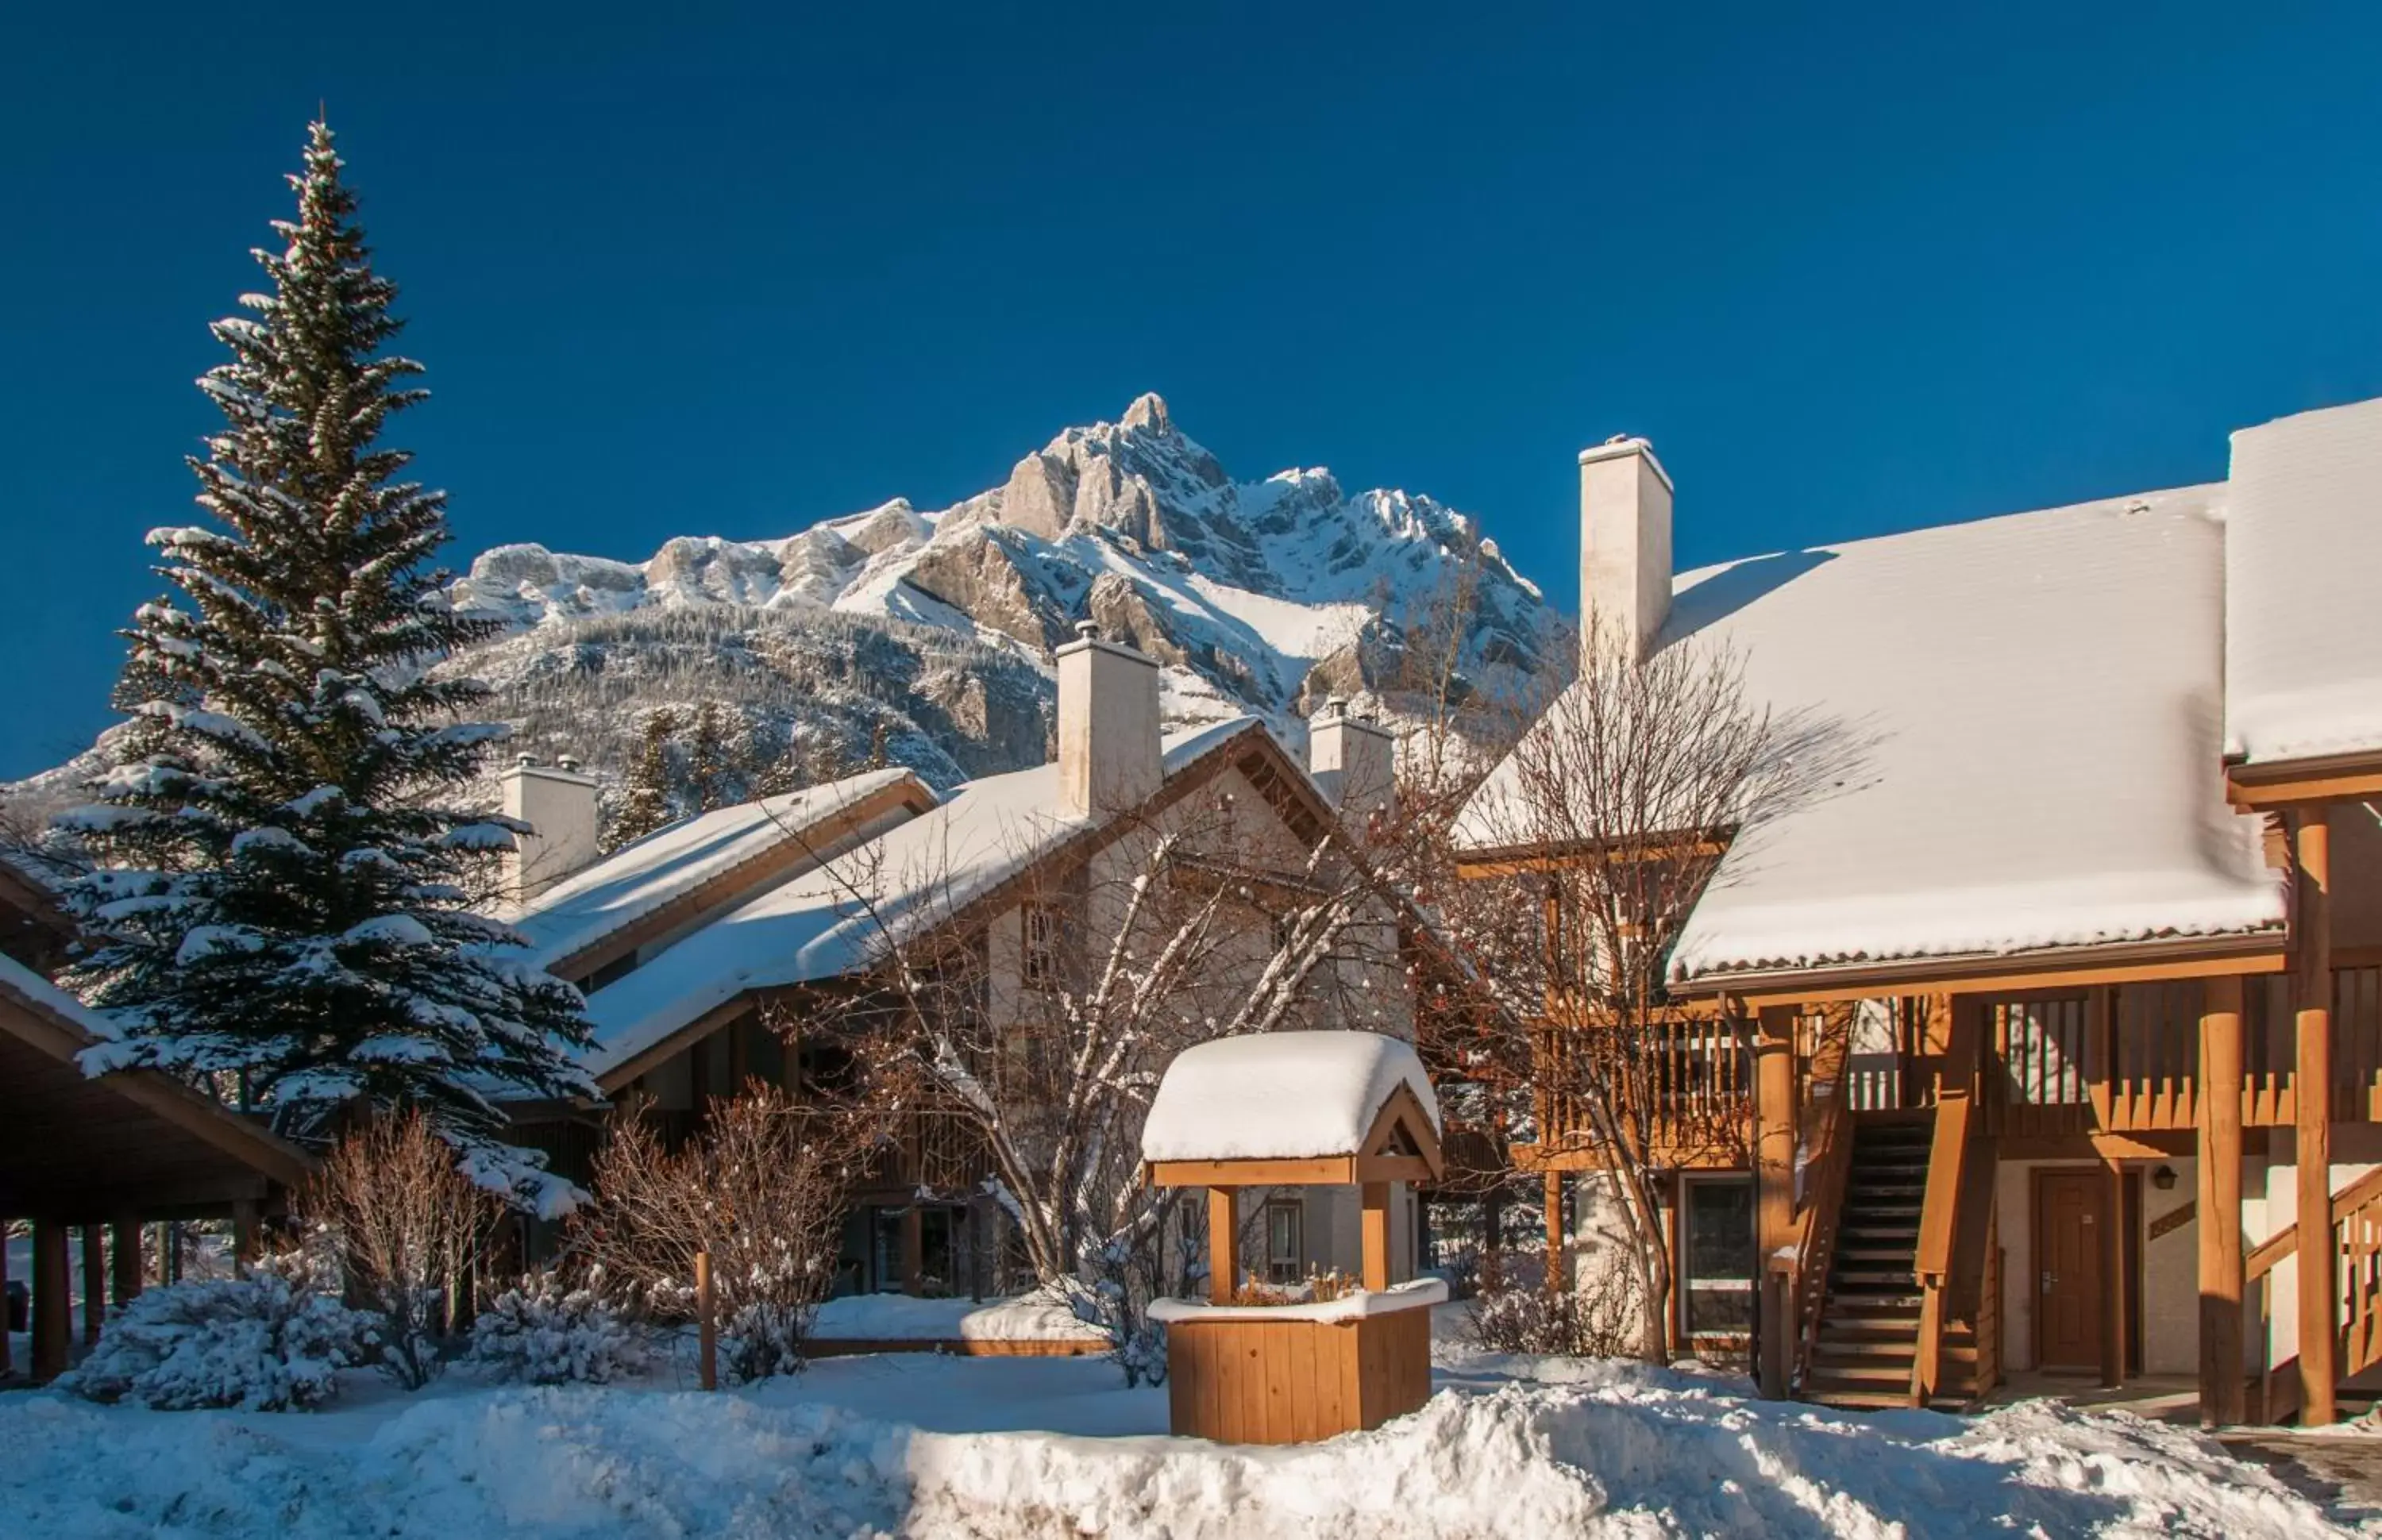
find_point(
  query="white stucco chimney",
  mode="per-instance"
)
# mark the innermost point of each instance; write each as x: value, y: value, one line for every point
x: 558, y: 804
x: 1108, y: 755
x: 1625, y: 542
x: 1354, y: 760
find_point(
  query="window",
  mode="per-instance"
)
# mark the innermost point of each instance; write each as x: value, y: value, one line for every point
x: 1039, y: 960
x: 1716, y: 1271
x: 619, y: 968
x: 1285, y: 1241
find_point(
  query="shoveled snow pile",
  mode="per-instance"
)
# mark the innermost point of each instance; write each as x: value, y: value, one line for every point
x: 1035, y: 1317
x: 1616, y: 1451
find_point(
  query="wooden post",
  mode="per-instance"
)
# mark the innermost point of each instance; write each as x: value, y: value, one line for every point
x: 95, y: 1282
x: 706, y: 1322
x: 2113, y: 1280
x: 2312, y: 979
x: 244, y: 1235
x: 913, y: 1249
x: 1374, y: 1241
x: 1774, y: 1188
x: 1223, y: 1245
x: 6, y: 1325
x: 53, y: 1309
x: 1552, y: 1188
x: 698, y: 1075
x: 2218, y: 1205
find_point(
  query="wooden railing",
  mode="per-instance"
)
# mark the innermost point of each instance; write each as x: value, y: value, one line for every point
x: 2357, y: 1263
x: 1826, y: 1137
x: 1989, y: 1316
x: 1694, y: 1069
x: 1948, y: 1202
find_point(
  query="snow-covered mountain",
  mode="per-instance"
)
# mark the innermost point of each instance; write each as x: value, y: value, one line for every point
x: 934, y: 629
x: 928, y: 635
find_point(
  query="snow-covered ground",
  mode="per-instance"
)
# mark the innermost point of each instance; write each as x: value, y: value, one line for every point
x: 921, y: 1445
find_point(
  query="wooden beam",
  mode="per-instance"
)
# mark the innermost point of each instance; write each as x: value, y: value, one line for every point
x: 2297, y: 783
x: 914, y: 1250
x: 1774, y: 1183
x: 95, y: 1282
x: 53, y: 1300
x: 2218, y: 1202
x: 1223, y: 1245
x: 2312, y: 985
x: 1330, y: 1171
x: 2113, y: 1279
x: 1374, y: 1240
x: 2065, y: 968
x: 245, y: 1240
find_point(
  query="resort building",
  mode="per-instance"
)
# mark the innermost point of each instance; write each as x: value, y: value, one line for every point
x: 2050, y: 1023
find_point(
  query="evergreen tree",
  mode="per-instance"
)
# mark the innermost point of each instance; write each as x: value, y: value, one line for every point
x: 646, y: 795
x: 282, y: 901
x: 711, y: 759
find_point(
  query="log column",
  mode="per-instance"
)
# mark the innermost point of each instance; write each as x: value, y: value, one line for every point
x: 2218, y: 1205
x: 1223, y: 1245
x: 1552, y: 1185
x: 2312, y: 1094
x: 2113, y: 1281
x: 5, y: 1325
x: 95, y: 1282
x: 1774, y: 1187
x: 53, y: 1320
x: 126, y: 1260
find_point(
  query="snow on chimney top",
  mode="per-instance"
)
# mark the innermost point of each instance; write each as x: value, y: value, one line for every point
x: 559, y: 804
x: 1624, y: 540
x: 1353, y: 760
x: 1109, y: 753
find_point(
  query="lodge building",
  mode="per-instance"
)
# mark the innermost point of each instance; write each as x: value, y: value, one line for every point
x: 2053, y: 1025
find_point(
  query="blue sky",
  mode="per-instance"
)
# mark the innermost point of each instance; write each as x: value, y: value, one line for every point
x: 692, y: 269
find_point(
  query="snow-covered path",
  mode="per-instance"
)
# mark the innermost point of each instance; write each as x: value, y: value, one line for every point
x: 921, y: 1446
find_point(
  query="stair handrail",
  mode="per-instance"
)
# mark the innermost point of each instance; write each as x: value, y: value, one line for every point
x: 1826, y: 1137
x: 2359, y: 1203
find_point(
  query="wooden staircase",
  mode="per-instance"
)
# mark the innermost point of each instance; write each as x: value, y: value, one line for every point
x: 1867, y: 1344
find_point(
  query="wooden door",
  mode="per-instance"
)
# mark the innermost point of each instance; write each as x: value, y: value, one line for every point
x: 2071, y: 1209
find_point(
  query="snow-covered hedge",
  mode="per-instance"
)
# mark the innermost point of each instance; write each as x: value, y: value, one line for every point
x: 548, y: 1334
x: 268, y: 1343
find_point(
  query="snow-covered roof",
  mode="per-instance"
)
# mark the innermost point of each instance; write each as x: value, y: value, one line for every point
x: 2028, y: 712
x: 2303, y: 540
x: 1282, y: 1096
x: 835, y: 919
x: 34, y: 990
x: 640, y: 878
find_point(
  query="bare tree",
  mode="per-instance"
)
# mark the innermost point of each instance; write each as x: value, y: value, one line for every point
x: 760, y: 1188
x: 1590, y: 847
x: 410, y: 1231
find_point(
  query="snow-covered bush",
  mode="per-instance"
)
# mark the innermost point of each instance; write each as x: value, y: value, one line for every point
x: 1598, y: 1320
x: 546, y: 1332
x: 407, y: 1227
x: 271, y: 1341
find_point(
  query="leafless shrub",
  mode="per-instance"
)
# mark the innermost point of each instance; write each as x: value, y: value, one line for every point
x: 410, y: 1232
x: 761, y: 1189
x: 1600, y: 1319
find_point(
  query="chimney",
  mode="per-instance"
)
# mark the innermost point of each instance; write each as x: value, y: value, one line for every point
x: 1109, y: 757
x: 1625, y: 543
x: 559, y: 804
x: 1353, y: 761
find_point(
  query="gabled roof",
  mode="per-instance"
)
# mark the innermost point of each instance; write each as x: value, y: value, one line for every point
x: 2302, y: 541
x: 917, y: 876
x: 1287, y: 1096
x: 715, y: 857
x: 2029, y: 713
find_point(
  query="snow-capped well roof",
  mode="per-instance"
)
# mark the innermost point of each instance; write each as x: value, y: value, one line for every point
x: 2303, y: 540
x: 641, y: 877
x: 1280, y: 1096
x: 839, y: 917
x: 2027, y: 713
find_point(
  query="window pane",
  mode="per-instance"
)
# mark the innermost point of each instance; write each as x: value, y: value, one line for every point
x: 1719, y: 1224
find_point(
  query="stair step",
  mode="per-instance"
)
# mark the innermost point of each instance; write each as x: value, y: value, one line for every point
x: 1858, y: 1401
x: 1825, y: 1377
x: 1902, y: 1254
x: 1829, y: 1351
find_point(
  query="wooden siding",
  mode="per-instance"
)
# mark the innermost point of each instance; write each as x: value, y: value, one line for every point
x: 1240, y: 1381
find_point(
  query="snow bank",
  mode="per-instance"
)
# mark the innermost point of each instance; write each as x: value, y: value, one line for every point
x: 1282, y: 1096
x: 899, y: 1318
x: 1616, y: 1452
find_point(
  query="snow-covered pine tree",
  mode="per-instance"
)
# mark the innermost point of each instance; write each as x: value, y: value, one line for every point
x: 282, y: 902
x: 711, y: 758
x: 645, y: 794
